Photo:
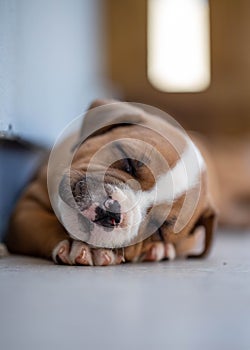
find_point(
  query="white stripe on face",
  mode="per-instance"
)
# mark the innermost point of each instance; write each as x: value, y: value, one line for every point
x: 184, y: 176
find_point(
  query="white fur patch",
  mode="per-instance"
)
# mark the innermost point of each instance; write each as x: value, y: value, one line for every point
x: 184, y: 176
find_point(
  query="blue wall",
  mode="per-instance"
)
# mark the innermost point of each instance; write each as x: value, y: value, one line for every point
x: 52, y: 59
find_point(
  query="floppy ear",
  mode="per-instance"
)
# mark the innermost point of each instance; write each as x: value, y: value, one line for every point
x: 104, y: 115
x: 207, y: 221
x: 101, y: 102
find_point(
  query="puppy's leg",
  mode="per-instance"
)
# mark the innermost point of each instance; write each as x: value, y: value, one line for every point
x: 34, y: 228
x: 193, y: 244
x: 80, y: 253
x: 157, y: 251
x: 150, y: 250
x: 34, y: 231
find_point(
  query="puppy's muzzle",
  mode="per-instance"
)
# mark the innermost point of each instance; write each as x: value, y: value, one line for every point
x: 95, y: 202
x: 109, y: 215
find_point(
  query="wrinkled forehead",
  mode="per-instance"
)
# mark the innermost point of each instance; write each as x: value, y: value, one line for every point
x: 148, y: 144
x: 137, y: 142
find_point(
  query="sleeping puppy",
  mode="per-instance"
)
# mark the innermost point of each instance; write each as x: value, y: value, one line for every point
x: 136, y: 189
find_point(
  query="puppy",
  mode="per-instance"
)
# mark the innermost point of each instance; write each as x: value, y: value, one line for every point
x: 136, y: 189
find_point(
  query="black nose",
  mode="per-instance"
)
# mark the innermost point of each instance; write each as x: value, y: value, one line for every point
x: 109, y: 216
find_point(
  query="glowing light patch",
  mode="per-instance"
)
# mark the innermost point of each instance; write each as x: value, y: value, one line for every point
x: 179, y: 45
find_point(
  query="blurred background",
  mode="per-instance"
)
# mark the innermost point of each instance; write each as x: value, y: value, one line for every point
x: 58, y: 55
x: 191, y: 58
x: 222, y: 104
x: 52, y: 63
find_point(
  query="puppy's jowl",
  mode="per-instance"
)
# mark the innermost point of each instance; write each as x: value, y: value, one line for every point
x: 133, y: 188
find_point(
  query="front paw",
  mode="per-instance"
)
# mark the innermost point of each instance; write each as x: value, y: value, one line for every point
x: 157, y: 251
x: 79, y: 253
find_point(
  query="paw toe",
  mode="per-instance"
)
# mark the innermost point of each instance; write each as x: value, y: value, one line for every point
x: 60, y: 253
x: 80, y: 254
x: 104, y: 257
x: 170, y: 252
x: 155, y: 253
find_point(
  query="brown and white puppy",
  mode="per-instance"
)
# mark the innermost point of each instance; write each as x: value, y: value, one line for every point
x: 135, y: 181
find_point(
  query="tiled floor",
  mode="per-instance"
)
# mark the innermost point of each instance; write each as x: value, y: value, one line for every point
x: 199, y: 304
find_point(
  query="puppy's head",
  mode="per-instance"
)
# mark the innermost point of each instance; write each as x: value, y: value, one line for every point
x: 131, y: 173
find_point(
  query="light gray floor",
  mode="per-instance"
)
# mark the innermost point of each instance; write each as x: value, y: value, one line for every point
x: 201, y: 304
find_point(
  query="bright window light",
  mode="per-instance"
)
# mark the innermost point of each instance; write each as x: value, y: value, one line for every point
x: 179, y: 45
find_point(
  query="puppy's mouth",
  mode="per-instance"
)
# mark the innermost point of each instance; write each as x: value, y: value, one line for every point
x: 107, y: 221
x: 110, y: 215
x: 102, y: 205
x: 103, y: 216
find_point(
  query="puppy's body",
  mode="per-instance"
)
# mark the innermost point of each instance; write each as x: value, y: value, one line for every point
x: 35, y: 230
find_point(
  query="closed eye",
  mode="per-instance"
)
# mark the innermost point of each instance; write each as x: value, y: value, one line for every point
x: 128, y: 166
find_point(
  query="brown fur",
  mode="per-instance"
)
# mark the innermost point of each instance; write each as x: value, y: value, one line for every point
x: 35, y: 230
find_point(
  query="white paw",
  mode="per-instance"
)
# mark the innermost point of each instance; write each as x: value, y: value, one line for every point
x: 79, y: 253
x: 158, y: 251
